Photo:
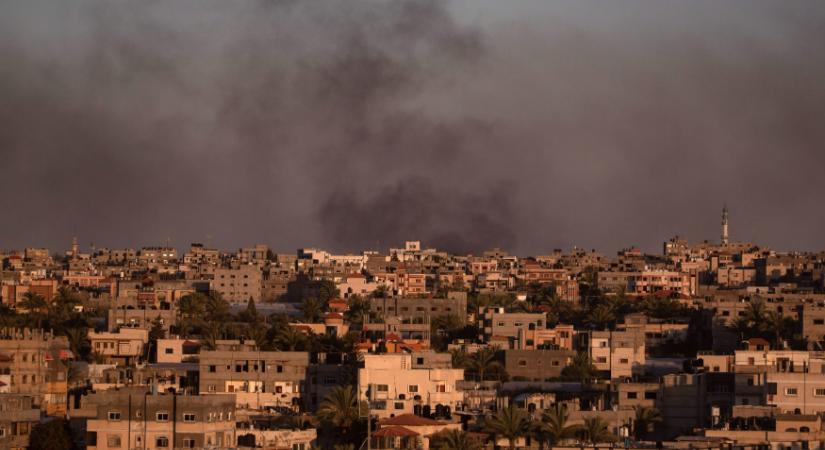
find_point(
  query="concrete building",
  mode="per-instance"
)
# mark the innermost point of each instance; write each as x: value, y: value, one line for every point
x: 494, y: 322
x: 238, y: 285
x: 34, y: 363
x: 18, y: 416
x: 125, y: 347
x: 409, y: 384
x: 257, y: 378
x: 619, y: 353
x: 536, y: 365
x: 133, y: 418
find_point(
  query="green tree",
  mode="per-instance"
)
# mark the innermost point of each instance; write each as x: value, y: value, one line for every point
x: 216, y: 308
x: 601, y: 317
x: 595, y: 430
x: 553, y: 427
x: 51, y: 435
x: 454, y: 440
x: 580, y: 369
x: 646, y: 420
x: 290, y: 339
x: 78, y: 340
x: 483, y: 362
x: 340, y: 409
x: 508, y: 423
x: 311, y: 310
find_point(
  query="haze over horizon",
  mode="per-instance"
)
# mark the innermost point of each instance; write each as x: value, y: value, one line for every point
x: 465, y: 124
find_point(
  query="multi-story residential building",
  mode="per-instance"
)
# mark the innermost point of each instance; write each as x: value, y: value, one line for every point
x: 135, y: 419
x: 33, y: 362
x: 258, y: 378
x: 619, y: 353
x: 18, y: 416
x: 238, y: 285
x: 494, y: 322
x: 536, y: 365
x: 561, y: 337
x: 420, y: 308
x: 418, y: 383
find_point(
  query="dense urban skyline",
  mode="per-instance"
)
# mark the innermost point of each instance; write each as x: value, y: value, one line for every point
x: 463, y: 124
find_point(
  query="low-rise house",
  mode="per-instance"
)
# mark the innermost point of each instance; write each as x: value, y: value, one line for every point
x: 125, y: 346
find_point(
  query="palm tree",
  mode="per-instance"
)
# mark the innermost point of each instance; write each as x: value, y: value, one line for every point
x: 460, y: 358
x: 34, y: 303
x: 509, y: 423
x: 553, y: 427
x: 191, y: 311
x: 646, y: 420
x: 777, y: 326
x: 289, y: 339
x: 311, y: 310
x: 340, y: 408
x: 755, y: 312
x: 483, y: 361
x: 581, y: 368
x: 78, y: 339
x: 216, y: 308
x: 595, y: 430
x: 601, y: 317
x: 454, y: 440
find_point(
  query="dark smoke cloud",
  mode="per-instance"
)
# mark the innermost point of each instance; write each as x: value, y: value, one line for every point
x: 466, y: 124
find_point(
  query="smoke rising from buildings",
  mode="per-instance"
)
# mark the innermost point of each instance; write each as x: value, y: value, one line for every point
x: 466, y: 125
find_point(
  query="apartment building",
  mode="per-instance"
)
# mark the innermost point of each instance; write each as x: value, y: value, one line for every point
x: 258, y: 378
x: 33, y: 362
x: 420, y: 308
x: 536, y: 365
x: 131, y: 418
x: 238, y: 285
x: 18, y: 416
x: 619, y: 353
x: 494, y: 322
x: 409, y: 384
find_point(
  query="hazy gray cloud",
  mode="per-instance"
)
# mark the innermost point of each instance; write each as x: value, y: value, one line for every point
x: 465, y: 124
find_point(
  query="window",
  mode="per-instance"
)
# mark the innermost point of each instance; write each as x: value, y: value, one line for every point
x: 632, y: 395
x: 162, y: 442
x: 113, y: 440
x: 790, y: 391
x: 114, y: 415
x: 301, y: 446
x: 819, y: 392
x: 211, y: 388
x: 650, y: 396
x: 212, y: 369
x: 162, y: 416
x: 412, y: 388
x: 601, y: 359
x: 188, y: 417
x: 188, y: 443
x: 819, y: 321
x: 624, y: 361
x: 399, y: 405
x: 169, y: 351
x: 522, y: 362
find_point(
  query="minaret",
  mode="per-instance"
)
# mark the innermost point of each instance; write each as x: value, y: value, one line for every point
x: 74, y: 248
x: 725, y: 225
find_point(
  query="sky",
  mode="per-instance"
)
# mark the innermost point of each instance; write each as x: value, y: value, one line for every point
x: 466, y: 124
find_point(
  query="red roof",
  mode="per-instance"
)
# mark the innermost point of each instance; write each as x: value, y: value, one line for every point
x: 410, y: 420
x: 394, y: 432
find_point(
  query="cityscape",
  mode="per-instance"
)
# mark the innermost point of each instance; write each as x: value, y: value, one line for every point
x: 704, y: 345
x: 412, y: 225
